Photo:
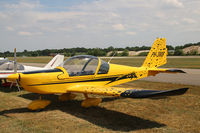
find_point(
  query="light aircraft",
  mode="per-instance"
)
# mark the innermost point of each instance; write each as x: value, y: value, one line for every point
x: 8, y: 67
x: 91, y: 75
x: 2, y: 60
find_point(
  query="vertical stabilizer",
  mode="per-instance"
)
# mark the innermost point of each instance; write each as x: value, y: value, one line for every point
x: 157, y: 56
x: 56, y: 61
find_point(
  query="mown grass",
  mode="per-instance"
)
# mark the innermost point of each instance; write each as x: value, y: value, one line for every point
x: 183, y: 62
x: 40, y: 59
x: 167, y: 115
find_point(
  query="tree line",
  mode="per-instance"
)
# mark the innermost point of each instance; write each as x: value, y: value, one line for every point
x: 94, y: 51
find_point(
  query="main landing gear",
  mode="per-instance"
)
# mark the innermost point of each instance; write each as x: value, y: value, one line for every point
x: 38, y: 104
x: 41, y: 104
x: 88, y: 102
x: 66, y: 97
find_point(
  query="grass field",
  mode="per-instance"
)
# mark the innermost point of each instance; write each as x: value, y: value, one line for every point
x: 167, y: 115
x: 183, y: 62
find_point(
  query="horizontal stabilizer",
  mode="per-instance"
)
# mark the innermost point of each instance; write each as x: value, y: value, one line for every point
x: 152, y: 93
x: 175, y: 71
x: 153, y: 72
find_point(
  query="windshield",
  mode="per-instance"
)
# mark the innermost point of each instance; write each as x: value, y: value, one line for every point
x: 81, y: 65
x: 10, y: 66
x: 104, y: 68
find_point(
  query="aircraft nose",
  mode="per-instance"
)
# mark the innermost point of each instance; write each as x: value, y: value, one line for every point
x: 13, y: 76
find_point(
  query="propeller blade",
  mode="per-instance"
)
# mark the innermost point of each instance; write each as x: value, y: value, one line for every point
x: 17, y: 84
x: 15, y: 61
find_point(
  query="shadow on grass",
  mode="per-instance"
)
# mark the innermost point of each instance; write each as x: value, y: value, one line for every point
x: 99, y: 116
x: 34, y: 96
x: 8, y: 89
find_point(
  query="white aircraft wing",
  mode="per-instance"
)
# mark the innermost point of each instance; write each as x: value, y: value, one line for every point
x: 4, y: 76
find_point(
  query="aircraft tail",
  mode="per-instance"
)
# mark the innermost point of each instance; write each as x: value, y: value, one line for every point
x: 157, y: 56
x: 56, y: 61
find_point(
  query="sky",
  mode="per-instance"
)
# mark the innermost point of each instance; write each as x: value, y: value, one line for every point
x: 57, y: 24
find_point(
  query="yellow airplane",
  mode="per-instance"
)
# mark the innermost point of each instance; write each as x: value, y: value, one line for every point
x: 91, y: 75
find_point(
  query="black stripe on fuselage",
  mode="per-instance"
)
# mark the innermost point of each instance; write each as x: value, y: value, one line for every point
x: 94, y: 80
x: 111, y: 79
x: 43, y: 71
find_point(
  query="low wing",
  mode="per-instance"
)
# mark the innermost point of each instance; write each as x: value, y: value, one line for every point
x: 124, y: 92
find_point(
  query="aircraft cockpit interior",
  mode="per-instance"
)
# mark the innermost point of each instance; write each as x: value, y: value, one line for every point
x: 85, y: 65
x: 9, y: 65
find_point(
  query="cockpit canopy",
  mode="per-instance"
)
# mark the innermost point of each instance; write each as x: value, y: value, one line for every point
x: 85, y: 65
x: 10, y: 66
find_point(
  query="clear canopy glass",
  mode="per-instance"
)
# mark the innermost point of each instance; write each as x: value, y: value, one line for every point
x: 81, y: 65
x: 84, y: 65
x: 10, y: 66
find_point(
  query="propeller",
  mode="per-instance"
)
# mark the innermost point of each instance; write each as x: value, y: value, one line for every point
x: 15, y: 70
x: 15, y: 61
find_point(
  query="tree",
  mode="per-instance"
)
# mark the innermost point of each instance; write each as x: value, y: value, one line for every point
x: 8, y: 54
x: 96, y: 52
x: 143, y: 54
x: 114, y: 53
x: 45, y: 52
x: 178, y: 47
x: 178, y: 52
x: 111, y: 48
x: 34, y: 53
x: 169, y: 47
x: 125, y: 53
x: 68, y: 54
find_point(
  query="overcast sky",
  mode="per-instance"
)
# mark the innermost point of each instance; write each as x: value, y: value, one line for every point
x: 47, y: 24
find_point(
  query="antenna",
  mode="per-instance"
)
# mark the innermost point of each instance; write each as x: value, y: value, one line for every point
x: 15, y: 70
x: 112, y: 57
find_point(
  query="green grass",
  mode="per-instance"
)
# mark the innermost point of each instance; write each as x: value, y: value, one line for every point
x: 183, y: 62
x: 167, y: 115
x: 41, y: 59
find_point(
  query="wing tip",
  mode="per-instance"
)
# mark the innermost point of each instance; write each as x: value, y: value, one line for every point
x: 152, y: 93
x: 175, y: 71
x: 183, y: 90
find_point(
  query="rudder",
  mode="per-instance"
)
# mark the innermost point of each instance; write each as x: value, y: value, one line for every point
x: 56, y: 61
x: 157, y: 56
